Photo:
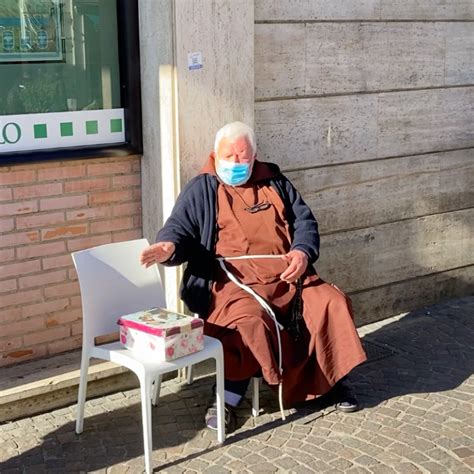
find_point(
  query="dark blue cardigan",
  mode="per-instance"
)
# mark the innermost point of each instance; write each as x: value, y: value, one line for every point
x: 192, y: 228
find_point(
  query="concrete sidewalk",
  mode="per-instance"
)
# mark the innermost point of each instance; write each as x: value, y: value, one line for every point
x: 417, y: 391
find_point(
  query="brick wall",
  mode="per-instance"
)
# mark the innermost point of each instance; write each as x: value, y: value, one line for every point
x: 48, y: 210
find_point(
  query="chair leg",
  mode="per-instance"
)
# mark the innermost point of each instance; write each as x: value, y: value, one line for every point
x: 155, y: 391
x: 255, y: 396
x: 81, y: 396
x: 145, y: 392
x: 189, y: 374
x: 220, y: 396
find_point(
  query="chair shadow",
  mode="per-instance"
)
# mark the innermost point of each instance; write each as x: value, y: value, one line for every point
x: 422, y: 352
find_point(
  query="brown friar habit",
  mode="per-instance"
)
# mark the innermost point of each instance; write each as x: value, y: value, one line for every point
x: 328, y: 346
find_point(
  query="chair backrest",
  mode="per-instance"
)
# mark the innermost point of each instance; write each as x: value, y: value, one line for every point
x: 113, y: 283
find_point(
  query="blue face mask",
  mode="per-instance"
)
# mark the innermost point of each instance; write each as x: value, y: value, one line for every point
x: 233, y: 174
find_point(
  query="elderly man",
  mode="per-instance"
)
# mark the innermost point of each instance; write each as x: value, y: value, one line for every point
x: 249, y: 241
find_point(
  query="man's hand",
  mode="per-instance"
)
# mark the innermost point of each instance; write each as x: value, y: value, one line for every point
x: 297, y: 263
x: 157, y: 253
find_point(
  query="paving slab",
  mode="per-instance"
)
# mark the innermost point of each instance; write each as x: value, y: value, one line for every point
x: 417, y: 393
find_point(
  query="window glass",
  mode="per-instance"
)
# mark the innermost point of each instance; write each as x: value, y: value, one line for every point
x: 59, y: 74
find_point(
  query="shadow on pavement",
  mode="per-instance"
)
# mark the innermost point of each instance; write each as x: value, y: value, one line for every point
x: 428, y: 350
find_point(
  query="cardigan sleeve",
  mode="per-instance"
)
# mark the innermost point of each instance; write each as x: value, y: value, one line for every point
x: 304, y: 225
x: 181, y: 226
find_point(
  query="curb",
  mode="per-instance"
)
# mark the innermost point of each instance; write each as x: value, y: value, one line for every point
x: 53, y: 383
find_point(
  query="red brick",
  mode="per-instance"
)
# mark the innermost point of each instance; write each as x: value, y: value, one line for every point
x: 14, y: 269
x: 36, y: 190
x: 6, y: 194
x: 48, y: 165
x: 137, y: 221
x: 16, y: 177
x: 22, y: 355
x: 43, y: 278
x: 8, y: 285
x: 87, y: 242
x: 9, y: 240
x: 128, y: 208
x: 51, y: 334
x: 65, y: 202
x: 44, y: 308
x: 127, y: 235
x: 10, y: 314
x: 56, y: 262
x: 108, y: 168
x: 10, y: 343
x: 136, y: 166
x: 60, y: 232
x: 110, y: 196
x: 51, y: 322
x: 22, y: 207
x: 72, y: 274
x: 136, y: 194
x: 41, y: 250
x: 63, y: 317
x: 7, y: 255
x: 39, y: 220
x: 85, y: 161
x: 65, y: 345
x: 27, y: 166
x: 75, y: 301
x: 126, y: 180
x: 63, y: 289
x: 76, y: 328
x: 21, y: 297
x: 22, y: 327
x: 6, y: 225
x: 111, y: 225
x: 89, y: 213
x: 63, y: 172
x: 86, y: 185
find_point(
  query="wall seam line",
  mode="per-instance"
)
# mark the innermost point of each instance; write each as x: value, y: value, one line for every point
x: 361, y: 20
x: 358, y: 93
x: 419, y: 277
x: 354, y: 229
x: 369, y: 160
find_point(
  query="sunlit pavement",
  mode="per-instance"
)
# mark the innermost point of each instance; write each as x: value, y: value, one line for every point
x: 417, y: 393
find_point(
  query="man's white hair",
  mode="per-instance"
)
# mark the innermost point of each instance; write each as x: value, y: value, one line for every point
x: 235, y: 130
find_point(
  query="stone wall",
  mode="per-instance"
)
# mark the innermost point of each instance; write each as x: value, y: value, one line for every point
x: 367, y: 107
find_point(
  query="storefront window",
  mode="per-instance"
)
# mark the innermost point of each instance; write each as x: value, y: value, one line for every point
x: 60, y: 74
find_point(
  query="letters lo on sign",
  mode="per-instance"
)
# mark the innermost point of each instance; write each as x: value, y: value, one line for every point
x: 50, y: 130
x: 10, y: 133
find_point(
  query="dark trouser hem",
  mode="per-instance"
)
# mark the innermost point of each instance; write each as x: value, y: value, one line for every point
x: 238, y: 387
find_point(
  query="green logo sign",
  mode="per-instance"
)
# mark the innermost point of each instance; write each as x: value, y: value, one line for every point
x: 10, y: 133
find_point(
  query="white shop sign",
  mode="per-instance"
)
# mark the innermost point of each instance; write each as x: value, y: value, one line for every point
x: 31, y: 132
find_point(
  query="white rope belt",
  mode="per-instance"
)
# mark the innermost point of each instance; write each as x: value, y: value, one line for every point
x: 264, y: 304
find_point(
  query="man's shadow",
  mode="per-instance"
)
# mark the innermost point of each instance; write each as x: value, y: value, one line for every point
x: 428, y: 350
x: 424, y: 351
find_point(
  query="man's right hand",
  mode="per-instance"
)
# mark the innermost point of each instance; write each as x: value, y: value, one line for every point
x: 157, y: 253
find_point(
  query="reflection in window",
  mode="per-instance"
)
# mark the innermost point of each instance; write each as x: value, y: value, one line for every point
x: 58, y: 55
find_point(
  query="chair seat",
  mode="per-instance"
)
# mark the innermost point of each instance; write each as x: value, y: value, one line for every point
x: 115, y: 352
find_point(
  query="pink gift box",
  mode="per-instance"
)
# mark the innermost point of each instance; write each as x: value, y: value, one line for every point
x: 161, y: 334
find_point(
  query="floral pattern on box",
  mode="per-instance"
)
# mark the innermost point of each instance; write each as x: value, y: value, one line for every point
x: 161, y: 334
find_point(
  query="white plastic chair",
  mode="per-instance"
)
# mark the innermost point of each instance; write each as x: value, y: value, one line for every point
x: 113, y: 283
x: 255, y: 396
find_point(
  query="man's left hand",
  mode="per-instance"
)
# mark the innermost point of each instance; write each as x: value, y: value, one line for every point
x: 297, y: 263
